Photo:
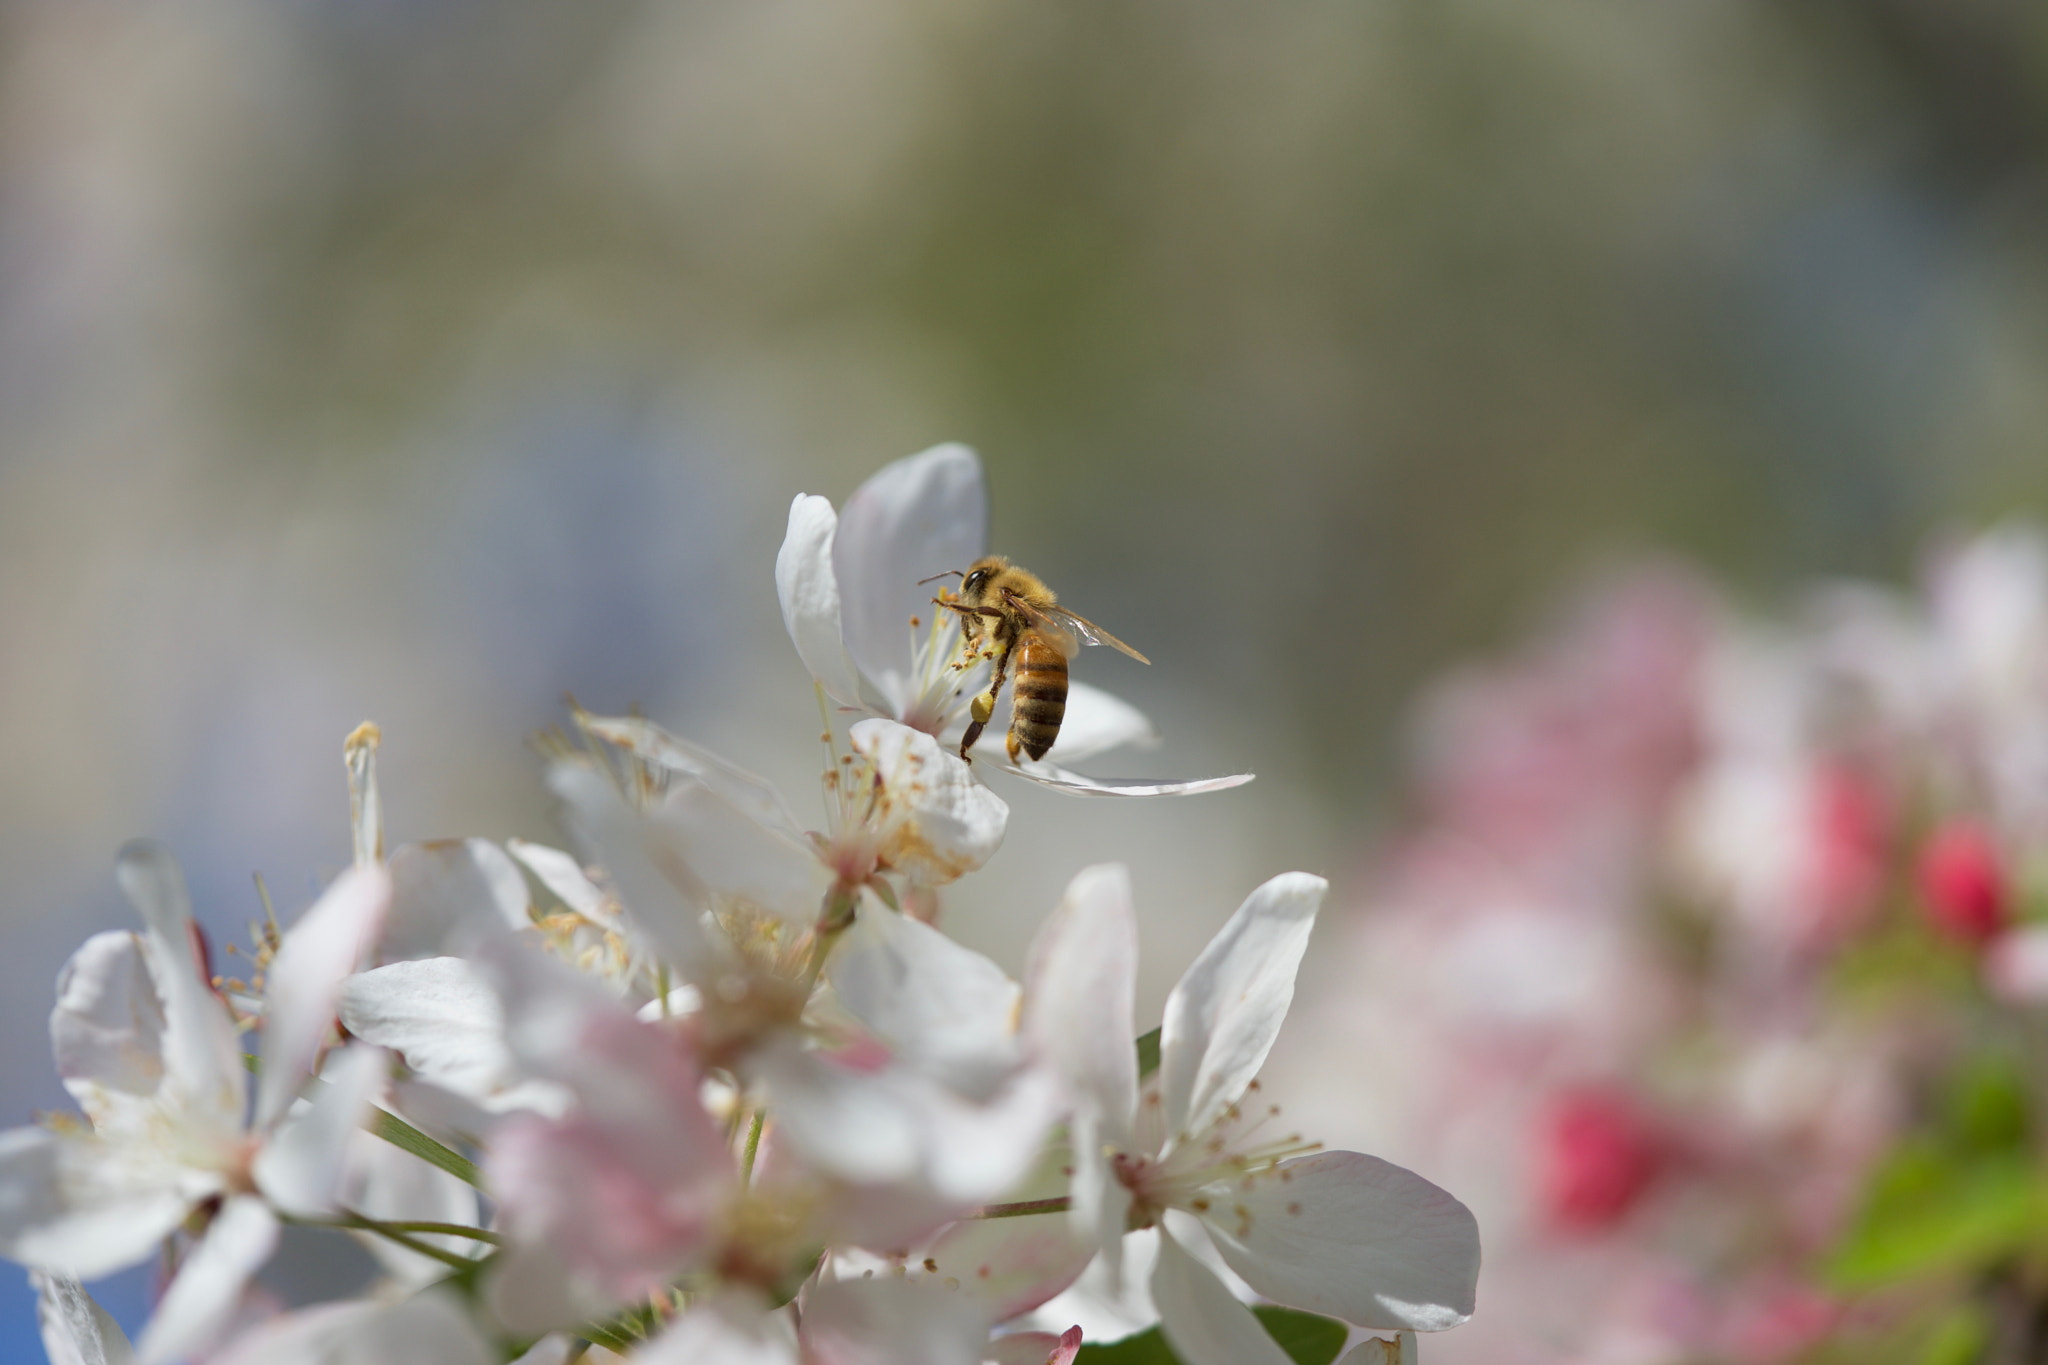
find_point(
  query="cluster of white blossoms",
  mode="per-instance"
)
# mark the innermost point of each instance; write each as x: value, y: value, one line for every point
x: 709, y: 1090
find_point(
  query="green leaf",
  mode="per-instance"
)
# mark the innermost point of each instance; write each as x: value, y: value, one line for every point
x: 1959, y: 1338
x: 1148, y: 1054
x: 1931, y: 1213
x: 1146, y: 1348
x: 1306, y: 1338
x: 1986, y: 1106
x: 399, y: 1133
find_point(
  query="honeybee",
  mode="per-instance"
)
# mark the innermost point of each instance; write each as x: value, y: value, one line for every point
x: 1023, y: 619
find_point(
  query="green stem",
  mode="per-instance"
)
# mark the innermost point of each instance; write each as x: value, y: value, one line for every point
x: 753, y: 1147
x: 450, y: 1230
x: 1026, y: 1207
x: 399, y: 1133
x: 835, y: 919
x: 352, y: 1221
x: 614, y: 1342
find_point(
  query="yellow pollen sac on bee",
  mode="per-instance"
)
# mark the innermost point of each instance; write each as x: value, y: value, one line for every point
x: 981, y: 708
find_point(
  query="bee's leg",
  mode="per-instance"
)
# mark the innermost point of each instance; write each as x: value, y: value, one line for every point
x: 970, y: 617
x: 984, y: 705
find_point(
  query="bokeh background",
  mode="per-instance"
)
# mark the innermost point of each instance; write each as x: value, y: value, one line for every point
x: 427, y: 361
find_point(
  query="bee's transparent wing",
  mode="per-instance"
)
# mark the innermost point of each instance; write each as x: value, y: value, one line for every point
x: 1047, y: 774
x: 1074, y: 629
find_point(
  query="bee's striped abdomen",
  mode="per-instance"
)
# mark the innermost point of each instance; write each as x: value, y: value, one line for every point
x: 1038, y: 699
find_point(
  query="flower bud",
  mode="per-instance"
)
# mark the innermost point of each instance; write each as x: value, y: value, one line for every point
x: 1963, y: 883
x: 1599, y: 1153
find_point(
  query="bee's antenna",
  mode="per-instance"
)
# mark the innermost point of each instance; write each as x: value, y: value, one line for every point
x: 950, y: 573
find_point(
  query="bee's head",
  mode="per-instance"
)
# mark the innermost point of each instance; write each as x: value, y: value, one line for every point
x: 979, y: 575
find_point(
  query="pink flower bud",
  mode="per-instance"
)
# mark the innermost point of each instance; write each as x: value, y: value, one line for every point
x: 1599, y: 1153
x: 1849, y: 831
x: 1772, y: 1322
x: 1962, y: 882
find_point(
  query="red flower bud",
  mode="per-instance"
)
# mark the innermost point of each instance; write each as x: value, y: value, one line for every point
x: 1962, y: 882
x: 1599, y: 1153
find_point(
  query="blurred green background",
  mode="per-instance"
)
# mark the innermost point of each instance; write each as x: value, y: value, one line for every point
x: 426, y: 361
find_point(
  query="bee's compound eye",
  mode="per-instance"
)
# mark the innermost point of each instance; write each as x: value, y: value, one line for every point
x: 975, y: 579
x: 981, y: 708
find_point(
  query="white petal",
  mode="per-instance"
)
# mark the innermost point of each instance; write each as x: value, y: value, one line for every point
x: 446, y: 894
x: 936, y: 822
x: 546, y: 1006
x: 1354, y: 1237
x: 1108, y: 1312
x: 892, y: 1321
x: 2016, y: 965
x: 881, y: 1219
x: 890, y: 1125
x: 727, y: 1331
x: 71, y: 1205
x: 530, y: 1288
x: 1078, y: 996
x: 681, y: 1000
x: 718, y: 850
x: 202, y: 1054
x: 427, y: 1329
x: 1396, y: 1350
x: 687, y: 854
x: 916, y: 517
x: 553, y: 1349
x: 980, y: 1151
x: 1222, y: 1018
x: 107, y: 1028
x: 663, y: 900
x: 441, y: 1014
x: 304, y: 981
x: 392, y: 1184
x: 1034, y: 1348
x: 1012, y: 1264
x: 197, y: 1307
x: 1059, y: 779
x: 809, y: 589
x: 753, y: 796
x: 941, y: 1008
x: 76, y: 1330
x: 1100, y: 1204
x: 564, y: 876
x: 1203, y: 1323
x: 639, y: 1138
x: 847, y: 1123
x: 300, y: 1168
x: 1097, y: 722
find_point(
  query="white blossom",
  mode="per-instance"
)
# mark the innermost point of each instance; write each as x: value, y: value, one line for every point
x: 150, y: 1053
x: 1338, y: 1233
x: 871, y: 637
